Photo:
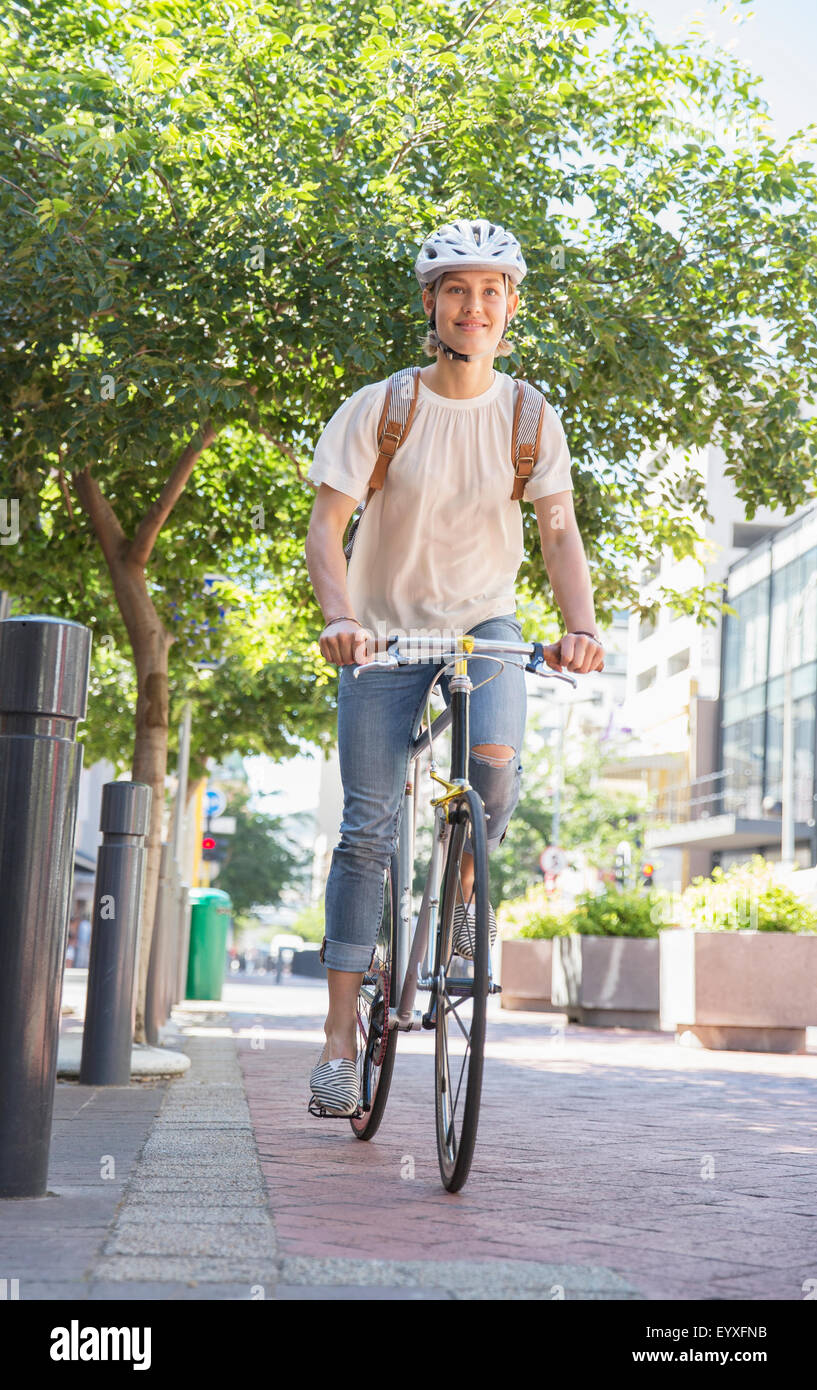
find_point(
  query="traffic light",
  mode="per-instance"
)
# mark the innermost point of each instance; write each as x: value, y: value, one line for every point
x: 620, y: 865
x: 646, y: 875
x: 213, y: 849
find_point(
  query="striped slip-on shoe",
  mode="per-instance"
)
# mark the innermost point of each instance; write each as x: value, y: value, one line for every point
x: 463, y: 931
x: 335, y: 1085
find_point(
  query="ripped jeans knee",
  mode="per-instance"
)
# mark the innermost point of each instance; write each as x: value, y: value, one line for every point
x: 498, y: 780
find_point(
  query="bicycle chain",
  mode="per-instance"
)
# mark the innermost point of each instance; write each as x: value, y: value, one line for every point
x: 384, y: 1041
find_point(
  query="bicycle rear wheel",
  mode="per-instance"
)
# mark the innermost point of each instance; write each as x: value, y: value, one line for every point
x: 460, y: 999
x: 377, y: 1042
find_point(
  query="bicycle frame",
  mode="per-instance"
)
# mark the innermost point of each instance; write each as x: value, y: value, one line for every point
x: 413, y: 956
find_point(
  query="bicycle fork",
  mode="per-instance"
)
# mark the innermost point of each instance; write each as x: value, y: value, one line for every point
x: 419, y: 959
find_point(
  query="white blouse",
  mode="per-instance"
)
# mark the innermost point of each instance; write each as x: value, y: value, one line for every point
x: 439, y: 547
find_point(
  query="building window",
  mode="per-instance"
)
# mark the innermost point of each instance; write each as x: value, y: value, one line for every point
x: 745, y: 639
x: 679, y: 662
x: 646, y: 678
x: 790, y: 639
x: 646, y: 628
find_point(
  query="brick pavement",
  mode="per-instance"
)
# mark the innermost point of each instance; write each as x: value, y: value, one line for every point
x: 615, y: 1163
x: 610, y: 1165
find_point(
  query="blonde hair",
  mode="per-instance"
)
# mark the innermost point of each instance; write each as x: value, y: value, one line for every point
x: 431, y: 342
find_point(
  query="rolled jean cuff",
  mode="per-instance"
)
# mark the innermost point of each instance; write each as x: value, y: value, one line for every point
x: 345, y: 955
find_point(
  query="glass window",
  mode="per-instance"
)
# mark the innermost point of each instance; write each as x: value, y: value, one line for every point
x: 803, y: 730
x: 678, y: 662
x: 743, y: 765
x: 646, y: 679
x: 745, y: 638
x: 794, y: 634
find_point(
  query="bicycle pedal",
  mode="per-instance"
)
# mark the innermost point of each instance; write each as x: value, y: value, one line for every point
x: 315, y: 1108
x: 494, y: 989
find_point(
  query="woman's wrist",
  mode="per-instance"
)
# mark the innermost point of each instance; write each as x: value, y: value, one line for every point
x: 345, y: 617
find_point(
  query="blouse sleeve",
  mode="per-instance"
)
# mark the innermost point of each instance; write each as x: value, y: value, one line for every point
x: 346, y: 452
x: 551, y: 471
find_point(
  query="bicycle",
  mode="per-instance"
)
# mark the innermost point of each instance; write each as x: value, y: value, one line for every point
x: 401, y: 963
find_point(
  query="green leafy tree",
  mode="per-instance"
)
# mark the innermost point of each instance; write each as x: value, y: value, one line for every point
x: 593, y: 818
x: 208, y: 217
x: 310, y: 923
x: 263, y: 859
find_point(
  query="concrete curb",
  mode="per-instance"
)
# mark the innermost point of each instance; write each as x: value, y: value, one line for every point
x: 145, y: 1060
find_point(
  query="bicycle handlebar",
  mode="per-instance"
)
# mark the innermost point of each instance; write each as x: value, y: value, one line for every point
x: 480, y: 646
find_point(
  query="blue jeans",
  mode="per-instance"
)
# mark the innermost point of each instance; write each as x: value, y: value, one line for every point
x: 379, y: 714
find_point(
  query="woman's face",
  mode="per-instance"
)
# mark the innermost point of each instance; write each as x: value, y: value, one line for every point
x: 471, y: 308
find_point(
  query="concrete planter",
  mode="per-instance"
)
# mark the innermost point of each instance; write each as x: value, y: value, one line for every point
x: 748, y: 991
x: 525, y: 972
x: 607, y: 981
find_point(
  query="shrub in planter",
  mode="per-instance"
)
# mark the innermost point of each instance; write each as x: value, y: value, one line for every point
x: 618, y: 912
x: 527, y: 926
x: 745, y: 897
x: 607, y: 973
x: 744, y: 973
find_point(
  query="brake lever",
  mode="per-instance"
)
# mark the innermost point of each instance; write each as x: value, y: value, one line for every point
x: 387, y: 660
x: 537, y: 661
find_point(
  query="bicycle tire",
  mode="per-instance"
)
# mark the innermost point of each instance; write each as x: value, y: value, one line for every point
x: 457, y: 1133
x: 375, y: 1079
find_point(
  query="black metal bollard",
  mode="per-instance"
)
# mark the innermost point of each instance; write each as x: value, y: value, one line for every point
x: 107, y: 1038
x: 44, y: 667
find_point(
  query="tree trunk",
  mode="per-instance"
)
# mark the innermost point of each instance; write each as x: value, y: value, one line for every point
x: 150, y: 765
x: 150, y: 643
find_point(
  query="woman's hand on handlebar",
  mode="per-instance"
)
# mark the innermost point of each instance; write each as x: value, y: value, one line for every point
x: 346, y: 643
x: 575, y: 652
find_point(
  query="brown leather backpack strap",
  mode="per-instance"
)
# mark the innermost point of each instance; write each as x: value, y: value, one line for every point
x: 395, y: 421
x: 528, y: 418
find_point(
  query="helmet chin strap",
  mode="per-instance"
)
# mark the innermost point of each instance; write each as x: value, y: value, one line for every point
x: 453, y: 355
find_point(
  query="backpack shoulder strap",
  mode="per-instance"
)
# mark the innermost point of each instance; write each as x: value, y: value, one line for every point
x: 395, y: 420
x: 528, y: 418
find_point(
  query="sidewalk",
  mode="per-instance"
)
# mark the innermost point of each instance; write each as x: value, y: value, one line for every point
x: 609, y: 1165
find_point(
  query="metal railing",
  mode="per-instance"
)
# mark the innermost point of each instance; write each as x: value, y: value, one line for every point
x: 727, y: 792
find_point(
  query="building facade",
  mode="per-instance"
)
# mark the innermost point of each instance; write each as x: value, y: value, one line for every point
x: 733, y: 809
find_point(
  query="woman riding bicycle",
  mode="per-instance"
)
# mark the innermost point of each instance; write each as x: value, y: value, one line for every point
x: 438, y: 550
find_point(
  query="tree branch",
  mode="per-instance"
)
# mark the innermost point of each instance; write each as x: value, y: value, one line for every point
x: 19, y: 190
x: 464, y: 35
x: 156, y: 515
x: 112, y: 539
x: 414, y: 140
x: 162, y: 179
x: 285, y: 449
x: 65, y: 493
x: 104, y: 195
x: 43, y: 149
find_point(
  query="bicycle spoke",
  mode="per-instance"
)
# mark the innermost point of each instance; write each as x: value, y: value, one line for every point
x: 452, y: 1009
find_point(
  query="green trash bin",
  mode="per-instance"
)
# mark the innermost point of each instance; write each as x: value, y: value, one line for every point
x: 210, y: 915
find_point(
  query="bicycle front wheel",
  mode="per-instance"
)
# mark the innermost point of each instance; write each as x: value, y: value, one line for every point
x: 460, y: 997
x: 376, y: 1041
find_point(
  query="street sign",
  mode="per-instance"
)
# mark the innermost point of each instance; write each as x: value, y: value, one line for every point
x: 553, y: 860
x: 215, y: 802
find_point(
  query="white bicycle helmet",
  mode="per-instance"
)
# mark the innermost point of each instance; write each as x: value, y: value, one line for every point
x: 468, y: 245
